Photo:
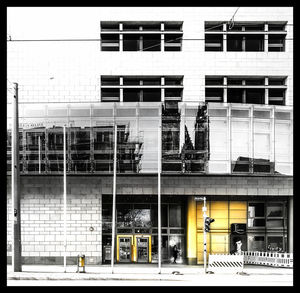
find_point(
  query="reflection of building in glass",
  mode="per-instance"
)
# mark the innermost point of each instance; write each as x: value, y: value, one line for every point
x: 89, y: 150
x: 180, y: 152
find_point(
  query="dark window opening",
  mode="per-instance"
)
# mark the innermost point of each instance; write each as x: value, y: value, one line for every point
x: 130, y: 27
x: 255, y: 81
x: 255, y: 96
x: 173, y: 81
x: 254, y: 27
x: 173, y: 42
x: 234, y: 81
x: 276, y: 27
x: 110, y: 80
x: 276, y: 96
x: 131, y: 42
x: 151, y: 42
x: 151, y: 95
x: 173, y: 93
x: 234, y: 43
x: 276, y: 43
x: 277, y: 80
x: 214, y: 95
x: 110, y: 95
x: 234, y: 27
x: 110, y: 42
x: 131, y: 81
x: 213, y: 42
x: 110, y: 26
x: 213, y: 80
x: 151, y: 81
x: 172, y: 27
x: 214, y: 26
x: 151, y: 27
x: 131, y: 95
x: 254, y: 43
x: 235, y: 95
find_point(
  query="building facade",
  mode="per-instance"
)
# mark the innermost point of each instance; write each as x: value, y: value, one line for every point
x: 201, y: 95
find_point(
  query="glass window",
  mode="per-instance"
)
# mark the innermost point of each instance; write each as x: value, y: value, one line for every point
x: 274, y: 210
x: 256, y: 243
x: 151, y: 42
x: 256, y: 215
x: 175, y: 216
x: 141, y: 214
x: 131, y: 42
x: 256, y: 210
x: 275, y: 243
x: 125, y: 215
x: 234, y: 42
x: 254, y: 43
x: 109, y: 42
x: 214, y: 42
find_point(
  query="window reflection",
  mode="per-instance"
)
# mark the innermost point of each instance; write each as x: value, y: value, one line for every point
x: 256, y: 243
x: 191, y: 141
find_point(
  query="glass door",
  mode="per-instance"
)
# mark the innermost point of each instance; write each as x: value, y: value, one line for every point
x: 142, y: 249
x: 124, y: 249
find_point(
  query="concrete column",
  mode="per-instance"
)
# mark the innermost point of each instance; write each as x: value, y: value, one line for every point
x: 121, y: 89
x: 224, y: 38
x: 290, y: 224
x: 162, y: 82
x: 191, y: 234
x: 266, y: 38
x: 121, y: 37
x: 162, y: 42
x: 225, y: 89
x: 266, y: 91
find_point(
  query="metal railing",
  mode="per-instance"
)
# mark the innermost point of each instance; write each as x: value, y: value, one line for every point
x: 276, y: 259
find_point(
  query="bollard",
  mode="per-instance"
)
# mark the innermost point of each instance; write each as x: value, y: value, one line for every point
x: 80, y: 263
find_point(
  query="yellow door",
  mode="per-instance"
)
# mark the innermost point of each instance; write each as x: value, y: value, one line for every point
x: 142, y: 248
x: 124, y: 248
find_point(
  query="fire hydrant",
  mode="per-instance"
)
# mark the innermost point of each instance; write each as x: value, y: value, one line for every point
x: 80, y: 263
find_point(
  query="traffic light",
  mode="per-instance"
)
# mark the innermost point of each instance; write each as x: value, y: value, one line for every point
x: 208, y: 220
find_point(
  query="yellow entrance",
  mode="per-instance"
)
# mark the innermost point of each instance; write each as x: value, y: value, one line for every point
x: 218, y: 239
x: 134, y: 248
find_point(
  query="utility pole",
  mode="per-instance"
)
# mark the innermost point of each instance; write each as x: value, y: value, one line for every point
x: 159, y: 196
x: 65, y: 201
x: 15, y: 188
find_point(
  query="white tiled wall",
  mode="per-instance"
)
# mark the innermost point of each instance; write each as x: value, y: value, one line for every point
x: 70, y: 71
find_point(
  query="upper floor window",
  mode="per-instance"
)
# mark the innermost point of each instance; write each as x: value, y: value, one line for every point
x: 246, y: 89
x: 141, y: 36
x: 141, y: 88
x: 245, y: 36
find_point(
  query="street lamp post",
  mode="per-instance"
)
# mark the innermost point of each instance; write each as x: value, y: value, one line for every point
x: 114, y: 201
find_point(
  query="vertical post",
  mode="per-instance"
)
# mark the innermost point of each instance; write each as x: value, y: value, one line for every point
x: 15, y: 188
x: 204, y: 233
x: 114, y: 201
x: 159, y: 195
x: 65, y: 202
x: 39, y: 155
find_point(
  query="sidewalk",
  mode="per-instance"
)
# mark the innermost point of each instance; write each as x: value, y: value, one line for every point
x: 130, y: 272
